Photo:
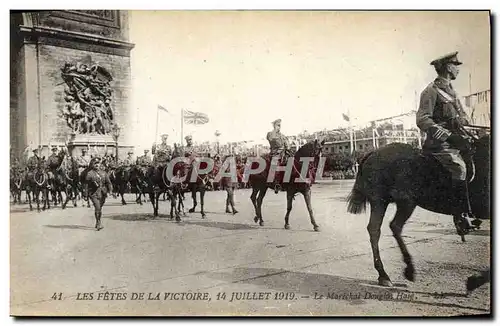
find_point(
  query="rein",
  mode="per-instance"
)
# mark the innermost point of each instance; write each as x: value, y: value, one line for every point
x: 39, y: 183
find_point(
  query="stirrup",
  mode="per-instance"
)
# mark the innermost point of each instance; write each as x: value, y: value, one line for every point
x: 277, y: 188
x: 472, y: 224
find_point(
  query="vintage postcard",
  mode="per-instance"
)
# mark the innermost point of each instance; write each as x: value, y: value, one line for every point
x: 250, y: 163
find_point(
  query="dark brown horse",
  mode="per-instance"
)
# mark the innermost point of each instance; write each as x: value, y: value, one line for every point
x: 260, y: 185
x: 400, y: 174
x: 70, y: 180
x: 37, y: 181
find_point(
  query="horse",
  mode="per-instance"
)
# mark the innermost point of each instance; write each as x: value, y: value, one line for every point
x: 260, y: 185
x: 56, y: 179
x: 120, y: 178
x: 70, y: 180
x: 159, y: 183
x: 81, y: 182
x: 184, y: 170
x: 399, y: 173
x: 137, y: 181
x: 38, y: 181
x: 17, y: 181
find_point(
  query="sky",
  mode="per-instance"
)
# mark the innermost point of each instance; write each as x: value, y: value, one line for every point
x: 245, y: 69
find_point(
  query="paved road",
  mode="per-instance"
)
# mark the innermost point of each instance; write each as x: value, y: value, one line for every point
x: 196, y: 267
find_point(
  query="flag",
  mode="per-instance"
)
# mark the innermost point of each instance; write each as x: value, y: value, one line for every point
x: 195, y: 118
x: 346, y: 117
x: 161, y: 108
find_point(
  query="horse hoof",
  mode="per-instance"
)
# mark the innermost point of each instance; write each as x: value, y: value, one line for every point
x: 316, y: 228
x: 255, y: 219
x: 384, y: 282
x: 124, y: 203
x: 235, y: 212
x: 228, y: 211
x: 261, y: 223
x: 287, y: 226
x: 410, y: 273
x: 191, y: 210
x: 203, y: 216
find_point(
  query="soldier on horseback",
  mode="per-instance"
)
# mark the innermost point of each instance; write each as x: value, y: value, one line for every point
x: 442, y: 117
x: 189, y: 150
x: 279, y: 147
x: 33, y: 163
x: 83, y: 160
x: 161, y: 152
x: 53, y: 163
x: 128, y: 161
x: 144, y: 160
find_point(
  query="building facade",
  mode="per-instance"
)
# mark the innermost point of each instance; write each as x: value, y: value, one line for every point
x: 478, y: 107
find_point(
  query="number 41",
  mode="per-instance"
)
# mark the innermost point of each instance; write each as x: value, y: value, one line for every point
x: 56, y: 296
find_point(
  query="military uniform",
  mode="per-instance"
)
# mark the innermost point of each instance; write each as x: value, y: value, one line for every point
x: 162, y: 153
x: 97, y: 186
x: 441, y: 116
x: 277, y: 141
x: 128, y: 161
x: 278, y: 147
x: 53, y: 164
x: 144, y: 160
x: 33, y: 162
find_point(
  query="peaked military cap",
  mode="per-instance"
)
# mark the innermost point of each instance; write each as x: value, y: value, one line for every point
x: 54, y: 149
x: 164, y: 135
x: 188, y: 137
x: 276, y: 121
x: 130, y: 152
x: 448, y: 58
x: 95, y: 160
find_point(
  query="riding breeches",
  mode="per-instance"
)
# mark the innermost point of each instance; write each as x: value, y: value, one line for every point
x: 453, y: 162
x: 98, y: 202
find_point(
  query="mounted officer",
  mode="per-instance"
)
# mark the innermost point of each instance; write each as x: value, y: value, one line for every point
x: 161, y: 152
x: 33, y: 163
x: 97, y: 186
x: 53, y: 163
x: 144, y: 160
x: 189, y: 150
x: 128, y: 161
x: 83, y: 160
x: 442, y: 117
x: 279, y: 147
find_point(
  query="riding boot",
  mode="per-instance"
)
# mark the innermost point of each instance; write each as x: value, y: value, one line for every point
x: 98, y: 224
x: 463, y: 209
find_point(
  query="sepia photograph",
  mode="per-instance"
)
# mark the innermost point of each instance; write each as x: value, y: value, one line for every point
x: 315, y: 163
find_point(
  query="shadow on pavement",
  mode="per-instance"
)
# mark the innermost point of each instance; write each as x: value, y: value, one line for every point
x: 481, y: 232
x: 71, y: 227
x: 305, y: 285
x: 137, y: 217
x: 223, y: 225
x: 21, y: 210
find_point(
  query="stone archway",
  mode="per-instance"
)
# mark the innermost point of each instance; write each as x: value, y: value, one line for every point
x: 41, y: 43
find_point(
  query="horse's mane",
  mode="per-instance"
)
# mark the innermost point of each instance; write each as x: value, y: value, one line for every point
x: 306, y: 149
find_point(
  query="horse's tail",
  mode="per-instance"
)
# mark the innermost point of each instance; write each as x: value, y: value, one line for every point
x: 356, y: 201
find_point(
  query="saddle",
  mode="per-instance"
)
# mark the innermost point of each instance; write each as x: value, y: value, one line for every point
x: 469, y: 164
